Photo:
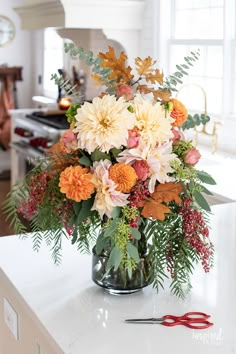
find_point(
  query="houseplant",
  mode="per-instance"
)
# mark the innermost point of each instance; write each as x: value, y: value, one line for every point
x: 122, y: 180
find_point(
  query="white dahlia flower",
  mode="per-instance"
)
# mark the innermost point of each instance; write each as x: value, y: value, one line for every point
x: 103, y: 124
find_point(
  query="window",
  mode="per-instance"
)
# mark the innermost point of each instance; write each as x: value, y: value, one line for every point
x: 209, y: 26
x: 53, y: 60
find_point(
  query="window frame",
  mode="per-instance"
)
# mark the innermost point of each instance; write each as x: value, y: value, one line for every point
x: 227, y: 43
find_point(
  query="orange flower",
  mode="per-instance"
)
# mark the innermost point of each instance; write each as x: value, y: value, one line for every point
x: 75, y: 182
x: 59, y: 156
x: 124, y: 176
x: 179, y: 112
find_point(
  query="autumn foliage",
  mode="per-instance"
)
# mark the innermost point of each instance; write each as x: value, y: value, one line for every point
x: 154, y: 207
x: 122, y: 74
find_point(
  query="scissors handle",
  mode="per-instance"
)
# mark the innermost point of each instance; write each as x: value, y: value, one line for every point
x: 194, y: 315
x: 195, y: 320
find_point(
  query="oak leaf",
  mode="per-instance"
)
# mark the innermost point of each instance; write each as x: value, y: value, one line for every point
x: 163, y: 95
x: 59, y: 156
x: 143, y: 66
x: 155, y: 76
x: 164, y: 192
x: 120, y: 71
x: 144, y: 89
x: 155, y: 210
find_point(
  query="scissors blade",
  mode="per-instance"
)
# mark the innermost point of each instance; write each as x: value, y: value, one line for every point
x: 144, y: 320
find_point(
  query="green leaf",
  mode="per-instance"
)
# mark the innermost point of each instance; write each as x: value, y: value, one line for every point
x: 191, y: 185
x: 97, y: 155
x: 205, y: 177
x: 72, y: 111
x: 178, y: 74
x: 84, y: 160
x: 115, y: 212
x: 77, y: 207
x: 206, y: 191
x: 130, y: 271
x: 205, y: 118
x: 74, y: 236
x: 101, y: 242
x: 135, y: 233
x: 133, y: 252
x: 115, y: 152
x: 89, y: 61
x: 184, y: 188
x: 72, y: 220
x: 201, y: 201
x: 114, y: 258
x: 85, y: 210
x: 111, y: 228
x: 196, y: 119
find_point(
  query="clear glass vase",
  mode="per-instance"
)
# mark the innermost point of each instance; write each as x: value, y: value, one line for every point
x: 118, y: 282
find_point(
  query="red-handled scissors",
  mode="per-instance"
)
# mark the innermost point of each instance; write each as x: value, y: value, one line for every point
x: 194, y: 320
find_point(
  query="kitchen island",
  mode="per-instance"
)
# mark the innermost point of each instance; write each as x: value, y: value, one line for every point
x: 51, y: 309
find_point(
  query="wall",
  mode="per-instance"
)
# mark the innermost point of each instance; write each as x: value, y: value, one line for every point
x: 18, y: 53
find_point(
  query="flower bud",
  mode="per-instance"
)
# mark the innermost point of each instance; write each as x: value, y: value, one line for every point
x: 133, y: 139
x: 69, y: 140
x: 125, y: 91
x: 192, y: 156
x: 142, y: 169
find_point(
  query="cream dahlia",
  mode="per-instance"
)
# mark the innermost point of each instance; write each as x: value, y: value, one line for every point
x: 159, y: 165
x: 151, y: 121
x: 157, y: 159
x: 103, y: 124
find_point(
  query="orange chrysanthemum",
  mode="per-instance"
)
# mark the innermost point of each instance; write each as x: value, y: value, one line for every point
x: 179, y: 112
x: 76, y: 183
x: 124, y: 176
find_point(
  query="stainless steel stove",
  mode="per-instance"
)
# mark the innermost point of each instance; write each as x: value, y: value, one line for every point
x: 55, y: 120
x: 33, y: 132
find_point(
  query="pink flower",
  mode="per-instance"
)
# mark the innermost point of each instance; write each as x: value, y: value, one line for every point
x: 176, y: 135
x: 192, y: 156
x: 125, y: 91
x: 133, y: 139
x: 107, y: 196
x: 142, y: 169
x: 70, y: 141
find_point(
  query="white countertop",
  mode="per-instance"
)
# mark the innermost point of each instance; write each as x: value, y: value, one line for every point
x: 82, y: 318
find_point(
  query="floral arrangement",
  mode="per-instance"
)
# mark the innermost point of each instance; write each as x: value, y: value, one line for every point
x: 123, y: 178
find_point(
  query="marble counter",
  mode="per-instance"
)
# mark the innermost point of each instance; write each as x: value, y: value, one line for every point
x: 79, y: 317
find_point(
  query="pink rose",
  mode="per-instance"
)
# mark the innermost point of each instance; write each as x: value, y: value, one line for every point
x: 176, y: 135
x: 133, y: 139
x: 125, y: 91
x: 142, y: 169
x: 192, y: 156
x: 70, y: 141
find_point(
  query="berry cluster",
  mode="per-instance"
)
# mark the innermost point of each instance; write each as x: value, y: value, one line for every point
x: 196, y: 232
x: 37, y: 187
x: 134, y: 222
x: 138, y: 193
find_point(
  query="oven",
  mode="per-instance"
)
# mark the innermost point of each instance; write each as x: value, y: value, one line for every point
x: 32, y: 134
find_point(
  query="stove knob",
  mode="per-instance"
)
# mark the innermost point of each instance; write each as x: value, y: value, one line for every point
x: 23, y: 132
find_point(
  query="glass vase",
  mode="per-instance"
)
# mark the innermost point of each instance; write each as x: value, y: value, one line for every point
x: 118, y: 282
